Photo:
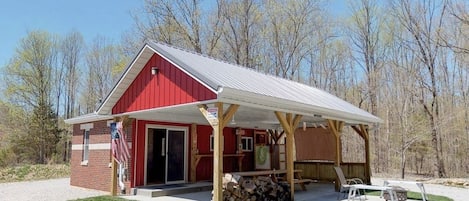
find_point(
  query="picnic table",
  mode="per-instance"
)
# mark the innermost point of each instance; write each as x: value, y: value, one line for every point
x: 277, y: 175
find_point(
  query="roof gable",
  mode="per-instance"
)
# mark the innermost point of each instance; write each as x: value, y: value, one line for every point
x: 170, y: 86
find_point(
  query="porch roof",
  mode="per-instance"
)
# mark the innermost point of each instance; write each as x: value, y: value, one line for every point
x: 258, y: 93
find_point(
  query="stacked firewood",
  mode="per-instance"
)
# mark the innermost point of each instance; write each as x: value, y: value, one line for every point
x: 236, y: 188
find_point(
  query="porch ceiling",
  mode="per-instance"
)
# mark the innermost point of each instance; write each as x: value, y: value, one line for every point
x: 245, y: 117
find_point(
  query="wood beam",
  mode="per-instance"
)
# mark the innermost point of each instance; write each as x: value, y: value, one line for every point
x: 218, y: 124
x: 218, y: 155
x: 358, y: 131
x: 113, y: 177
x: 336, y: 128
x: 289, y: 125
x: 229, y: 114
x: 194, y: 152
x: 364, y: 130
x: 283, y: 121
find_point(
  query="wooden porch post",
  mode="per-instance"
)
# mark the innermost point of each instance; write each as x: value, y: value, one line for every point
x: 336, y: 128
x: 113, y: 177
x: 218, y: 122
x: 362, y: 130
x: 289, y: 125
x: 194, y: 152
x: 126, y: 121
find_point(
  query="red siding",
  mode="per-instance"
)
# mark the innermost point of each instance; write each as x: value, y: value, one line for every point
x: 139, y: 137
x: 170, y: 87
x: 205, y: 166
x: 230, y: 164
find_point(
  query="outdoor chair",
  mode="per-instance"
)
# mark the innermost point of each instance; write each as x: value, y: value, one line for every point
x: 345, y: 183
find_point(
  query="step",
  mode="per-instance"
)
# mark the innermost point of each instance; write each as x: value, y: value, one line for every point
x: 173, y: 189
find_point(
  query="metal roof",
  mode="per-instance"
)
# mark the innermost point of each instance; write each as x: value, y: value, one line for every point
x: 240, y: 85
x: 233, y: 81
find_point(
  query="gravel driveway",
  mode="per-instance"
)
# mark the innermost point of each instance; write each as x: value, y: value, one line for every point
x: 53, y: 189
x: 60, y: 189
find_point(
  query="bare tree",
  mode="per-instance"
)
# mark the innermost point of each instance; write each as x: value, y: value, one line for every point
x: 366, y: 37
x: 290, y: 25
x: 105, y: 63
x: 455, y: 37
x: 71, y: 49
x: 240, y: 31
x: 174, y: 22
x: 423, y: 20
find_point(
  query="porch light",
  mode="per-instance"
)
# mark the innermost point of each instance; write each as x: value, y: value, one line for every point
x: 154, y: 70
x: 233, y: 122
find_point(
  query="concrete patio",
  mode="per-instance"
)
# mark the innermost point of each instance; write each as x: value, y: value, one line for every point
x: 315, y: 192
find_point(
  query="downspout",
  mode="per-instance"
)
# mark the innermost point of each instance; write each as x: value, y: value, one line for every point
x: 121, y: 178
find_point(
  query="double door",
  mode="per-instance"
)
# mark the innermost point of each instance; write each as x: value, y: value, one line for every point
x: 166, y: 156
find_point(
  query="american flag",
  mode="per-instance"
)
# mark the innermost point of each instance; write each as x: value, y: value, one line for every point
x: 120, y: 149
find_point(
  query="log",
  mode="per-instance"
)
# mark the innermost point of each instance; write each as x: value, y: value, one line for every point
x: 236, y: 188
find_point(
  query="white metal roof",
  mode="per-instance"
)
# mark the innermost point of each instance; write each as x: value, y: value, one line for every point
x: 234, y: 82
x: 246, y: 87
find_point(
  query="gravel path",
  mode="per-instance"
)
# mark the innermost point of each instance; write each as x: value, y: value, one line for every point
x: 53, y: 189
x: 60, y: 189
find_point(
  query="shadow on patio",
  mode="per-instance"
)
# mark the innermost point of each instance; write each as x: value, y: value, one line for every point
x: 315, y: 192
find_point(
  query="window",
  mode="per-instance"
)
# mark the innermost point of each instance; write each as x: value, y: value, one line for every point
x: 246, y: 143
x: 86, y: 147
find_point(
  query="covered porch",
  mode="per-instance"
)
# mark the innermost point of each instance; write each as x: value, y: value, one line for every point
x: 172, y: 88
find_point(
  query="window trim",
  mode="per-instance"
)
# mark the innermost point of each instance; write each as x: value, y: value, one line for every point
x: 247, y: 144
x: 86, y: 143
x: 86, y: 148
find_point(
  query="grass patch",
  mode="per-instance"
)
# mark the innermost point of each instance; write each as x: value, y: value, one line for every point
x: 33, y: 172
x: 102, y: 198
x: 415, y: 196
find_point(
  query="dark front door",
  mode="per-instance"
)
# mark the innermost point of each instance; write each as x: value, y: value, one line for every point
x: 156, y: 158
x: 165, y: 156
x: 175, y: 156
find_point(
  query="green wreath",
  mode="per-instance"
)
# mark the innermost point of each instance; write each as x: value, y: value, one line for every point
x: 261, y: 155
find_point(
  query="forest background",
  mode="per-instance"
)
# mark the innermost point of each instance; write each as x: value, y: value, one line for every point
x: 404, y: 61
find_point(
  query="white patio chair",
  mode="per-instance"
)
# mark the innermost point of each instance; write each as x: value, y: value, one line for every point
x: 345, y: 183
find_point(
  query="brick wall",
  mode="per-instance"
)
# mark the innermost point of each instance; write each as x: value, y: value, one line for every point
x: 97, y: 173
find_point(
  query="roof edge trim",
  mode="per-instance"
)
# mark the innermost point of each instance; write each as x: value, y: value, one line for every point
x: 129, y: 66
x: 88, y: 118
x: 181, y: 66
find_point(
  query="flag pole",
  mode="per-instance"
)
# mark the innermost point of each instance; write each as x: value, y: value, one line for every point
x: 114, y: 177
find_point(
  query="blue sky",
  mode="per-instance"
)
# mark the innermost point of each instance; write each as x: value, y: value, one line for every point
x: 109, y: 18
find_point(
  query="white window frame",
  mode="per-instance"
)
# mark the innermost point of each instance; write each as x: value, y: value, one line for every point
x: 247, y: 144
x: 86, y: 146
x: 86, y: 143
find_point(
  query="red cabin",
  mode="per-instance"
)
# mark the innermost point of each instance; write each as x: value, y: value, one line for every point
x: 189, y: 118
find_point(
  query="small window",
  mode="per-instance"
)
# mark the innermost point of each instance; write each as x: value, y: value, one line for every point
x: 246, y: 143
x: 86, y: 146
